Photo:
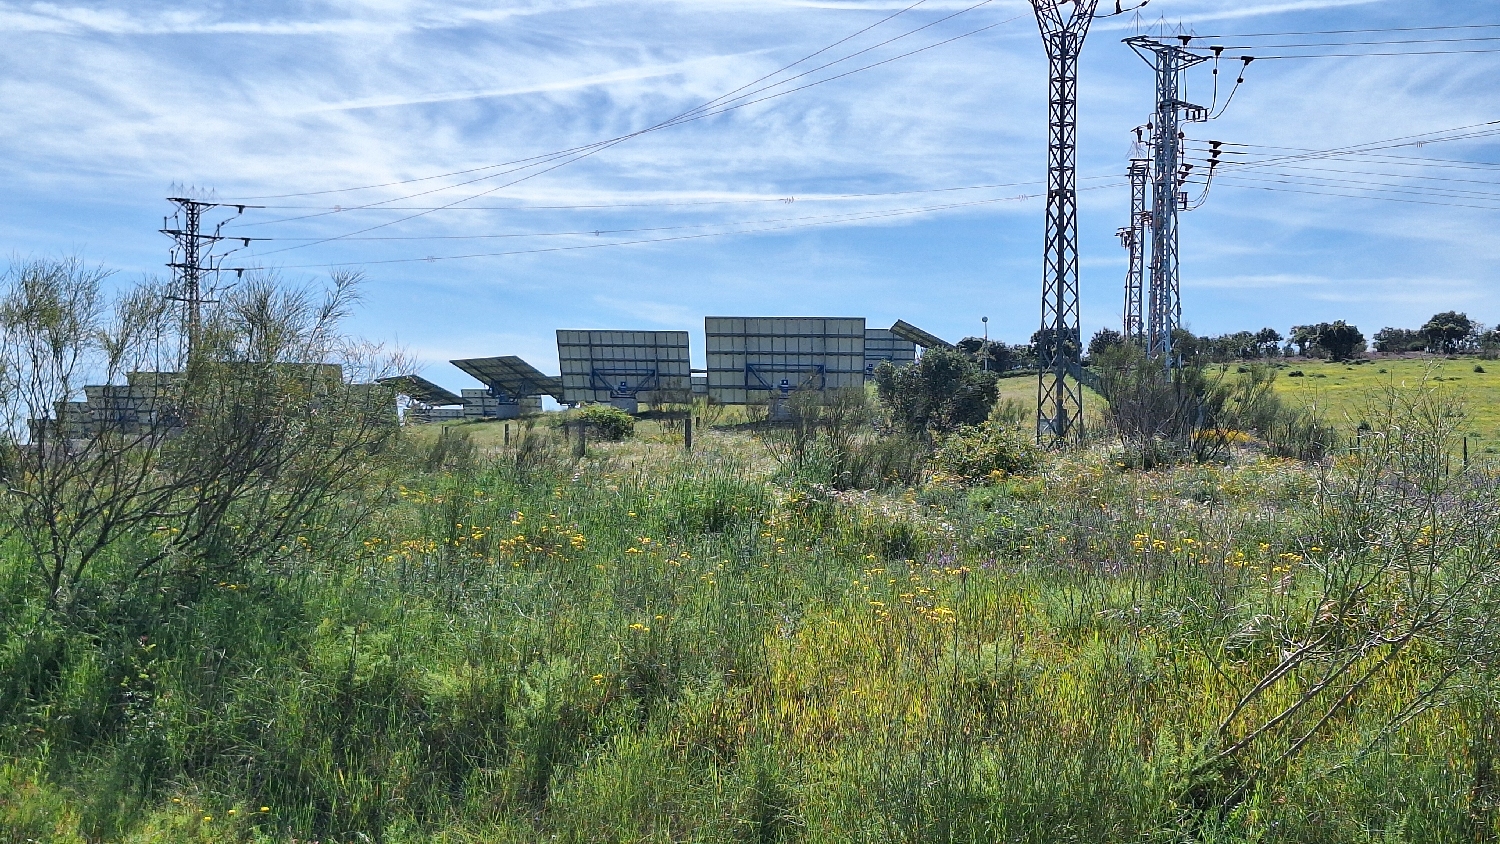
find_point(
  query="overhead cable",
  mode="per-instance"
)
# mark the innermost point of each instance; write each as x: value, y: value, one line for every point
x: 786, y: 227
x: 710, y: 103
x: 605, y: 146
x: 1348, y: 31
x: 785, y: 200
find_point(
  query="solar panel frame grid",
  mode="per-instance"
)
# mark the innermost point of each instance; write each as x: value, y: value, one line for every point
x: 749, y: 356
x: 882, y: 344
x: 511, y: 375
x: 656, y: 366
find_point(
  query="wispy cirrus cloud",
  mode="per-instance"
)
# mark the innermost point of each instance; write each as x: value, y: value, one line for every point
x: 373, y: 19
x: 277, y: 98
x: 634, y: 74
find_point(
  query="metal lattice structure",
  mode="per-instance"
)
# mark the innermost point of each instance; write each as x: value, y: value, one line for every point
x: 1133, y: 238
x: 1059, y: 401
x: 196, y: 258
x: 1165, y: 299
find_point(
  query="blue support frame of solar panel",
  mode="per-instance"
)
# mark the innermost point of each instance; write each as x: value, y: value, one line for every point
x: 882, y: 344
x: 650, y: 366
x: 750, y: 358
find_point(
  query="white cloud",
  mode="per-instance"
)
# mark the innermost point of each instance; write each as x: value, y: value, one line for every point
x: 360, y: 19
x: 109, y: 106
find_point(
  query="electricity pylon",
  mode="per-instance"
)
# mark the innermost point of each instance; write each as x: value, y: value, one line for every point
x: 1165, y: 299
x: 1133, y: 238
x: 1059, y: 401
x: 193, y: 259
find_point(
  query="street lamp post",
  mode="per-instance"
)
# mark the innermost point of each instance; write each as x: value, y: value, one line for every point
x: 986, y: 352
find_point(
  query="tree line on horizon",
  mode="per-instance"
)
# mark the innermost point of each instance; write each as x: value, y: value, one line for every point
x: 1446, y: 333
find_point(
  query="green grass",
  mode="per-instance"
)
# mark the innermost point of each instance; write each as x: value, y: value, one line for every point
x: 1023, y: 389
x: 651, y: 646
x: 1344, y: 392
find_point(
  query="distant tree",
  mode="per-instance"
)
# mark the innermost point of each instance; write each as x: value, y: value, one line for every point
x: 1489, y: 341
x: 944, y: 390
x: 1340, y: 339
x: 1022, y: 355
x: 1042, y: 344
x: 1448, y: 332
x: 1103, y: 340
x: 1394, y: 341
x: 1001, y: 357
x: 1186, y: 345
x: 1268, y: 339
x: 1303, y: 337
x: 1241, y: 345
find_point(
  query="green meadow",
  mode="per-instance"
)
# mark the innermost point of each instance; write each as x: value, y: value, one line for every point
x: 512, y: 643
x: 1344, y: 393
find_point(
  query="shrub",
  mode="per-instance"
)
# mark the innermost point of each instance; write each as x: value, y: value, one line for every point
x: 607, y: 422
x: 1479, y: 369
x: 218, y: 458
x: 977, y: 452
x: 943, y: 390
x: 824, y: 442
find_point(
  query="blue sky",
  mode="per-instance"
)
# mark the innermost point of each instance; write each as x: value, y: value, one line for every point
x: 109, y: 104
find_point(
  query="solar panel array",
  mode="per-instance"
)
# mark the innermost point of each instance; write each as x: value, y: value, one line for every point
x: 420, y: 389
x: 882, y: 344
x: 907, y: 331
x: 751, y: 359
x: 512, y: 377
x: 650, y: 366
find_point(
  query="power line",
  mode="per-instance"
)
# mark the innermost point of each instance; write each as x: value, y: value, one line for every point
x: 1401, y: 160
x: 710, y: 103
x: 1230, y: 181
x: 1477, y: 130
x: 1387, y: 175
x: 1365, y: 184
x: 788, y: 199
x: 1385, y: 53
x: 1356, y: 43
x: 1374, y: 161
x: 1349, y: 31
x: 792, y: 226
x: 601, y: 232
x: 612, y: 143
x: 723, y: 104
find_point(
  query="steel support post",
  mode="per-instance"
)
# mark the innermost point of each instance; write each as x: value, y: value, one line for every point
x: 1059, y: 395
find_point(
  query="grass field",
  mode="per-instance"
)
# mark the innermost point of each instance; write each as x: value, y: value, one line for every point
x: 509, y: 644
x: 1344, y: 392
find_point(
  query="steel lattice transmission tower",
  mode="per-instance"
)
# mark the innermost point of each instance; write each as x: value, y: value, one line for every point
x: 1059, y: 402
x: 194, y: 259
x: 1133, y: 238
x: 1165, y: 298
